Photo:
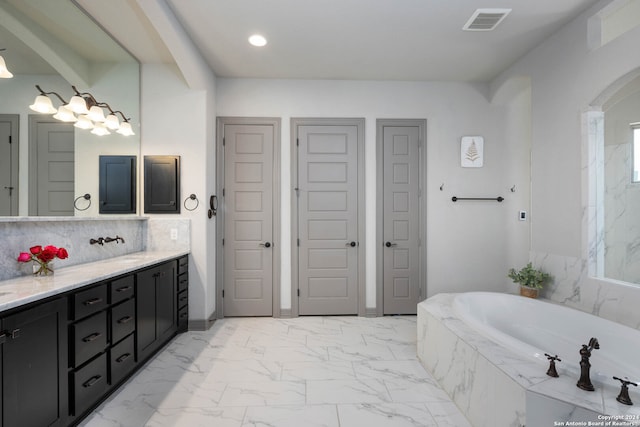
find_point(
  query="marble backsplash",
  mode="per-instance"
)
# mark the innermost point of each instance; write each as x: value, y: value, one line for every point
x: 139, y: 233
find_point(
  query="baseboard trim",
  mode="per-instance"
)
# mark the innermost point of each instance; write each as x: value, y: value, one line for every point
x: 202, y: 324
x: 370, y: 312
x: 286, y: 313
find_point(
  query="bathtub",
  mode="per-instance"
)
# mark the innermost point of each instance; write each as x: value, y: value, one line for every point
x: 486, y: 350
x: 534, y: 327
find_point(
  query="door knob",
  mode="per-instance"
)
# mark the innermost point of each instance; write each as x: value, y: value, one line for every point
x: 266, y: 244
x: 352, y: 244
x: 389, y: 244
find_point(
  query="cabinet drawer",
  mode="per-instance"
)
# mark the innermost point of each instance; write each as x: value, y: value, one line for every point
x: 89, y: 384
x: 123, y: 320
x: 183, y: 264
x: 122, y: 360
x: 183, y: 282
x: 183, y: 299
x: 183, y: 318
x: 89, y: 301
x: 89, y: 337
x: 121, y: 289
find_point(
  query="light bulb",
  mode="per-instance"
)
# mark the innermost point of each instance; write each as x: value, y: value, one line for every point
x: 112, y: 122
x: 43, y: 104
x: 125, y: 129
x: 84, y: 123
x: 65, y: 115
x: 100, y: 129
x: 78, y: 105
x: 4, y: 71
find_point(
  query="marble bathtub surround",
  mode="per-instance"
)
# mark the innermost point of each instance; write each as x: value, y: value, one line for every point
x: 307, y: 371
x: 494, y: 386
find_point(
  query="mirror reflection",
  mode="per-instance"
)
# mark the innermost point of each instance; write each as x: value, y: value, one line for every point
x: 621, y: 187
x: 50, y: 163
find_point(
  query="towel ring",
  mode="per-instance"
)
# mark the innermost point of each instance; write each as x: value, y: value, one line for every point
x: 86, y: 197
x: 191, y: 197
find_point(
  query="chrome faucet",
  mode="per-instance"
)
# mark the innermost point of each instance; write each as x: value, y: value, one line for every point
x: 585, y: 352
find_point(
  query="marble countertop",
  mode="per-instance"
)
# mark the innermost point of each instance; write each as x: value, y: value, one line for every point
x: 23, y: 290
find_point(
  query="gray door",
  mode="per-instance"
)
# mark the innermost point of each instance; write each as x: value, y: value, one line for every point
x: 248, y: 220
x: 8, y: 165
x: 51, y: 167
x: 401, y: 210
x: 328, y: 251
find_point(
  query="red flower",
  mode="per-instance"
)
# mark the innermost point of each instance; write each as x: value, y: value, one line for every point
x: 35, y: 249
x: 62, y: 253
x: 48, y: 253
x: 24, y: 257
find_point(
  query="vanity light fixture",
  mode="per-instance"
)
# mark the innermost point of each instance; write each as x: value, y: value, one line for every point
x: 90, y: 112
x: 257, y: 40
x: 4, y: 71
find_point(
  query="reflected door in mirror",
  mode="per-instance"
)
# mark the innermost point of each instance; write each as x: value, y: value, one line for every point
x: 9, y: 144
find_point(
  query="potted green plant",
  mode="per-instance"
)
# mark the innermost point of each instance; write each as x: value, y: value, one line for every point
x: 531, y: 280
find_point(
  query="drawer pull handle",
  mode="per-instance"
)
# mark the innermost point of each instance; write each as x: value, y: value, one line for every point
x: 92, y: 337
x: 184, y: 299
x: 123, y: 289
x: 91, y: 381
x: 93, y: 301
x: 184, y: 264
x: 184, y: 281
x: 183, y: 315
x: 123, y: 357
x: 125, y: 319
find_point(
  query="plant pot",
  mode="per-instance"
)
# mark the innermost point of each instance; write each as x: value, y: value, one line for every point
x: 528, y: 292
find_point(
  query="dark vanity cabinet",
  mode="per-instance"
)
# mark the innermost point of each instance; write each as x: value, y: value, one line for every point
x: 33, y: 358
x: 162, y: 184
x: 156, y: 320
x: 62, y: 356
x: 183, y: 294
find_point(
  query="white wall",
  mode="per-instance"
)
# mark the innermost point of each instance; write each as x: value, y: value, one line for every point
x: 180, y: 121
x: 469, y: 244
x: 566, y: 77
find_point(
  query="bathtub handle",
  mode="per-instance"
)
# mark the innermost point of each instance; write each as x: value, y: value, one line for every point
x: 389, y: 244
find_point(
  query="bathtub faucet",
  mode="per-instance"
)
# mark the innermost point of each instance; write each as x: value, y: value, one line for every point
x: 585, y: 352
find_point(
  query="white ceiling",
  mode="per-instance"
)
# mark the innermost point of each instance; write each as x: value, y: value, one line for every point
x: 367, y: 39
x: 340, y: 39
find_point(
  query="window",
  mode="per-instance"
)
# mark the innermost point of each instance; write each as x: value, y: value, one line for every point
x: 635, y: 127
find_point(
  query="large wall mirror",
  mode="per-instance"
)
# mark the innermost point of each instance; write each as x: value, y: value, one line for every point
x: 55, y: 45
x: 621, y: 189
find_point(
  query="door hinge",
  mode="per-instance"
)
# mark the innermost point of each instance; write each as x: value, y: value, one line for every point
x: 10, y: 139
x: 223, y: 141
x: 297, y: 142
x: 298, y: 292
x: 223, y: 293
x: 297, y: 190
x: 222, y: 242
x: 298, y: 242
x: 223, y: 192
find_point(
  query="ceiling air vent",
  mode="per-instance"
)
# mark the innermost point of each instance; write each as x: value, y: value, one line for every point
x: 485, y: 19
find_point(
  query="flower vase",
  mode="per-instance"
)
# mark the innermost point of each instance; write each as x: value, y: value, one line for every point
x: 42, y: 269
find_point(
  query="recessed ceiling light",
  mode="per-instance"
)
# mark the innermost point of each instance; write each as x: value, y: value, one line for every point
x: 257, y: 40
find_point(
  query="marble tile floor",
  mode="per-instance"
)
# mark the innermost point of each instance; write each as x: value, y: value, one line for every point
x: 303, y: 372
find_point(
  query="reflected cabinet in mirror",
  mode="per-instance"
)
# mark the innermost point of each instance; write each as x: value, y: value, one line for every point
x: 45, y: 162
